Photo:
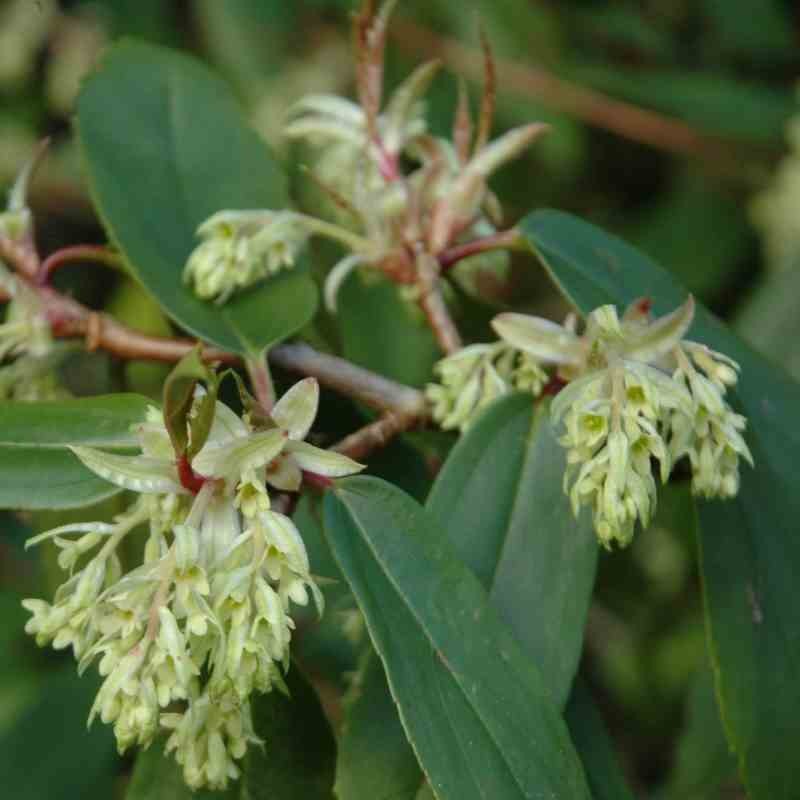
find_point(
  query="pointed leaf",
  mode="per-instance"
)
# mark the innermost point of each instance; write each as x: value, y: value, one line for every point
x: 466, y: 693
x: 750, y: 552
x: 500, y: 499
x: 38, y: 471
x: 136, y: 473
x: 156, y: 174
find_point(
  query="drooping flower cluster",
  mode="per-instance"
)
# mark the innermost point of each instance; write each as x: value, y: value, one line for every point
x: 240, y: 248
x: 397, y: 190
x: 186, y: 637
x: 473, y: 377
x: 637, y: 394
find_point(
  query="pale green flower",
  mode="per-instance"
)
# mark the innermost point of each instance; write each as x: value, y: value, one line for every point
x: 205, y: 619
x: 472, y: 378
x: 638, y: 393
x: 242, y: 247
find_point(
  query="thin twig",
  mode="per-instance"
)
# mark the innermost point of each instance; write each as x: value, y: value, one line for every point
x: 433, y: 305
x: 366, y: 387
x: 261, y: 380
x: 359, y: 444
x: 504, y: 240
x: 593, y: 107
x: 79, y: 252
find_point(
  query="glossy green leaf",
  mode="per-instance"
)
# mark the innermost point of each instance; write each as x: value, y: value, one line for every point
x: 299, y: 755
x: 36, y: 468
x: 500, y: 499
x: 382, y: 331
x: 157, y: 776
x: 375, y: 758
x: 474, y: 707
x: 750, y: 553
x: 165, y: 147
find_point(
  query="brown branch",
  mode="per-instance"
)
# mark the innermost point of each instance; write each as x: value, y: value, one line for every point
x: 359, y: 444
x: 366, y: 387
x: 595, y: 108
x: 71, y: 319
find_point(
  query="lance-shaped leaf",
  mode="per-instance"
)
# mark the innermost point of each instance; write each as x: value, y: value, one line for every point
x: 188, y: 433
x: 156, y: 173
x: 136, y: 473
x: 37, y: 469
x: 500, y: 499
x: 750, y: 552
x: 475, y: 708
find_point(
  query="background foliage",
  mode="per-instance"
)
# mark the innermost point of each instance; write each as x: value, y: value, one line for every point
x: 726, y: 69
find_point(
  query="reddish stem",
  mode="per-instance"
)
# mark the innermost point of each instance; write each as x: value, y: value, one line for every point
x: 321, y: 482
x: 190, y: 479
x: 504, y: 240
x: 553, y: 386
x: 79, y: 252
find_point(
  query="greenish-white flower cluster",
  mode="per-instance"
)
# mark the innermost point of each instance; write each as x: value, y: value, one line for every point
x: 242, y: 247
x: 637, y: 395
x: 472, y: 378
x: 185, y: 638
x: 396, y: 189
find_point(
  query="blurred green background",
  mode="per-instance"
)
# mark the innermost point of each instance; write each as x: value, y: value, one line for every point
x: 672, y: 126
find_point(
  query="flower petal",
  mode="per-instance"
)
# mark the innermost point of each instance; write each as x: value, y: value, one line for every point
x: 662, y: 335
x: 322, y: 462
x: 295, y: 411
x: 541, y: 338
x: 75, y: 527
x: 229, y: 461
x: 284, y: 474
x: 137, y: 473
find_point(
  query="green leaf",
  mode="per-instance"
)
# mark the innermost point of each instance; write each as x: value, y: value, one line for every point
x: 189, y: 436
x: 299, y: 755
x: 375, y: 758
x: 36, y: 468
x: 49, y: 752
x: 475, y: 709
x: 157, y: 776
x: 165, y: 147
x: 591, y: 740
x: 382, y: 331
x: 500, y: 499
x: 750, y: 553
